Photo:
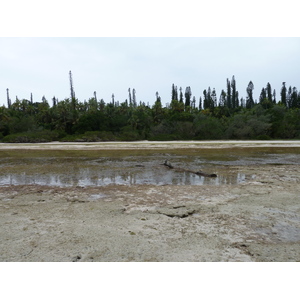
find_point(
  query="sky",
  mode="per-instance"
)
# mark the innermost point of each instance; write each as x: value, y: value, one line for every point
x: 111, y: 65
x: 146, y: 48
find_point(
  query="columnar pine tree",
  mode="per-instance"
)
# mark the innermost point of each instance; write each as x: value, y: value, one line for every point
x: 113, y: 99
x: 262, y: 96
x: 269, y: 92
x: 233, y: 93
x: 8, y: 99
x: 188, y: 94
x: 157, y: 96
x: 274, y: 97
x: 209, y: 98
x: 129, y: 95
x: 205, y: 100
x: 294, y: 98
x: 213, y: 99
x: 134, y: 98
x: 180, y: 95
x: 194, y: 103
x: 289, y: 97
x: 228, y: 99
x: 250, y: 101
x: 174, y: 92
x: 53, y: 102
x: 237, y: 101
x: 71, y: 86
x: 200, y: 103
x: 283, y: 94
x: 222, y: 100
x: 73, y: 99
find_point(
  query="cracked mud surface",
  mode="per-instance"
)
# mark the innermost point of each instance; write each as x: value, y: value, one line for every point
x: 256, y: 220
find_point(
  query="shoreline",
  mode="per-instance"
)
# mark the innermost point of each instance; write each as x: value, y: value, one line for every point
x: 148, y: 145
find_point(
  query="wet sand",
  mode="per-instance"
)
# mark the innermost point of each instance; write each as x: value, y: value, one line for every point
x: 255, y: 220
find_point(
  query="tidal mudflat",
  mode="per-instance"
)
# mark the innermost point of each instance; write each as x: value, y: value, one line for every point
x: 117, y: 202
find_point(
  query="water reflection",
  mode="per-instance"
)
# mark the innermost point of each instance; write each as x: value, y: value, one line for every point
x: 86, y: 177
x: 131, y: 170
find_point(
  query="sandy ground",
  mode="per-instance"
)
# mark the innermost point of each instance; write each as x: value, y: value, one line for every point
x: 258, y: 220
x: 147, y: 145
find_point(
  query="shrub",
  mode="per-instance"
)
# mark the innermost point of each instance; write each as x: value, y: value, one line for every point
x: 164, y: 137
x: 90, y: 136
x: 42, y: 136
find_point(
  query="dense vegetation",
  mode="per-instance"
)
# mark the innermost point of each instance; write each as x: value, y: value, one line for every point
x: 181, y: 119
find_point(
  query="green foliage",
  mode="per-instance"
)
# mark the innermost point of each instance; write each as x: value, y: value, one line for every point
x: 90, y: 136
x: 249, y: 124
x: 164, y: 137
x: 128, y: 134
x: 32, y: 137
x: 96, y: 121
x: 208, y: 128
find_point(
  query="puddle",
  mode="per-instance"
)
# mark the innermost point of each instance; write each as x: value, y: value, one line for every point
x: 91, y: 177
x: 96, y: 168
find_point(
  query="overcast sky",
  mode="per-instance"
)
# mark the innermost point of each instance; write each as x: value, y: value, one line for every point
x: 112, y: 65
x: 138, y: 48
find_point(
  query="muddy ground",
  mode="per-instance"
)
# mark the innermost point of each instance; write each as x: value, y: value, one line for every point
x: 255, y: 220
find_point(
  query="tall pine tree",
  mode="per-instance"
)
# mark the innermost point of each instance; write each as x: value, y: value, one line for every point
x: 180, y: 95
x: 188, y: 95
x: 262, y: 96
x: 249, y: 90
x: 228, y: 99
x: 222, y: 99
x: 269, y: 92
x: 274, y: 97
x: 283, y: 94
x: 233, y: 97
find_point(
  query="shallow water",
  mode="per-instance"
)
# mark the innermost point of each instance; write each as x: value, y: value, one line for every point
x: 99, y: 168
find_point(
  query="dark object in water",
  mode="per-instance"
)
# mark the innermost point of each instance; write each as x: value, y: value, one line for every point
x: 199, y: 173
x: 205, y: 174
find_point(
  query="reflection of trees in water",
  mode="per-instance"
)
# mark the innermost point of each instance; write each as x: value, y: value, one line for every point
x: 181, y: 178
x: 90, y: 176
x: 126, y: 176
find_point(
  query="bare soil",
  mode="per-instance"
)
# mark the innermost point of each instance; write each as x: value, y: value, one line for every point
x: 256, y: 220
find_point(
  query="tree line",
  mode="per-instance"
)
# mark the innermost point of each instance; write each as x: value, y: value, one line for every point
x: 183, y: 118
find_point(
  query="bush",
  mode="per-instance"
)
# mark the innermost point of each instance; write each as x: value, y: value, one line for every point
x: 263, y: 137
x: 164, y: 137
x: 90, y: 136
x: 42, y: 136
x: 208, y: 128
x: 248, y: 126
x: 128, y: 134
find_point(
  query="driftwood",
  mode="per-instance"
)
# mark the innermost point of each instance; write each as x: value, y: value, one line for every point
x: 199, y: 173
